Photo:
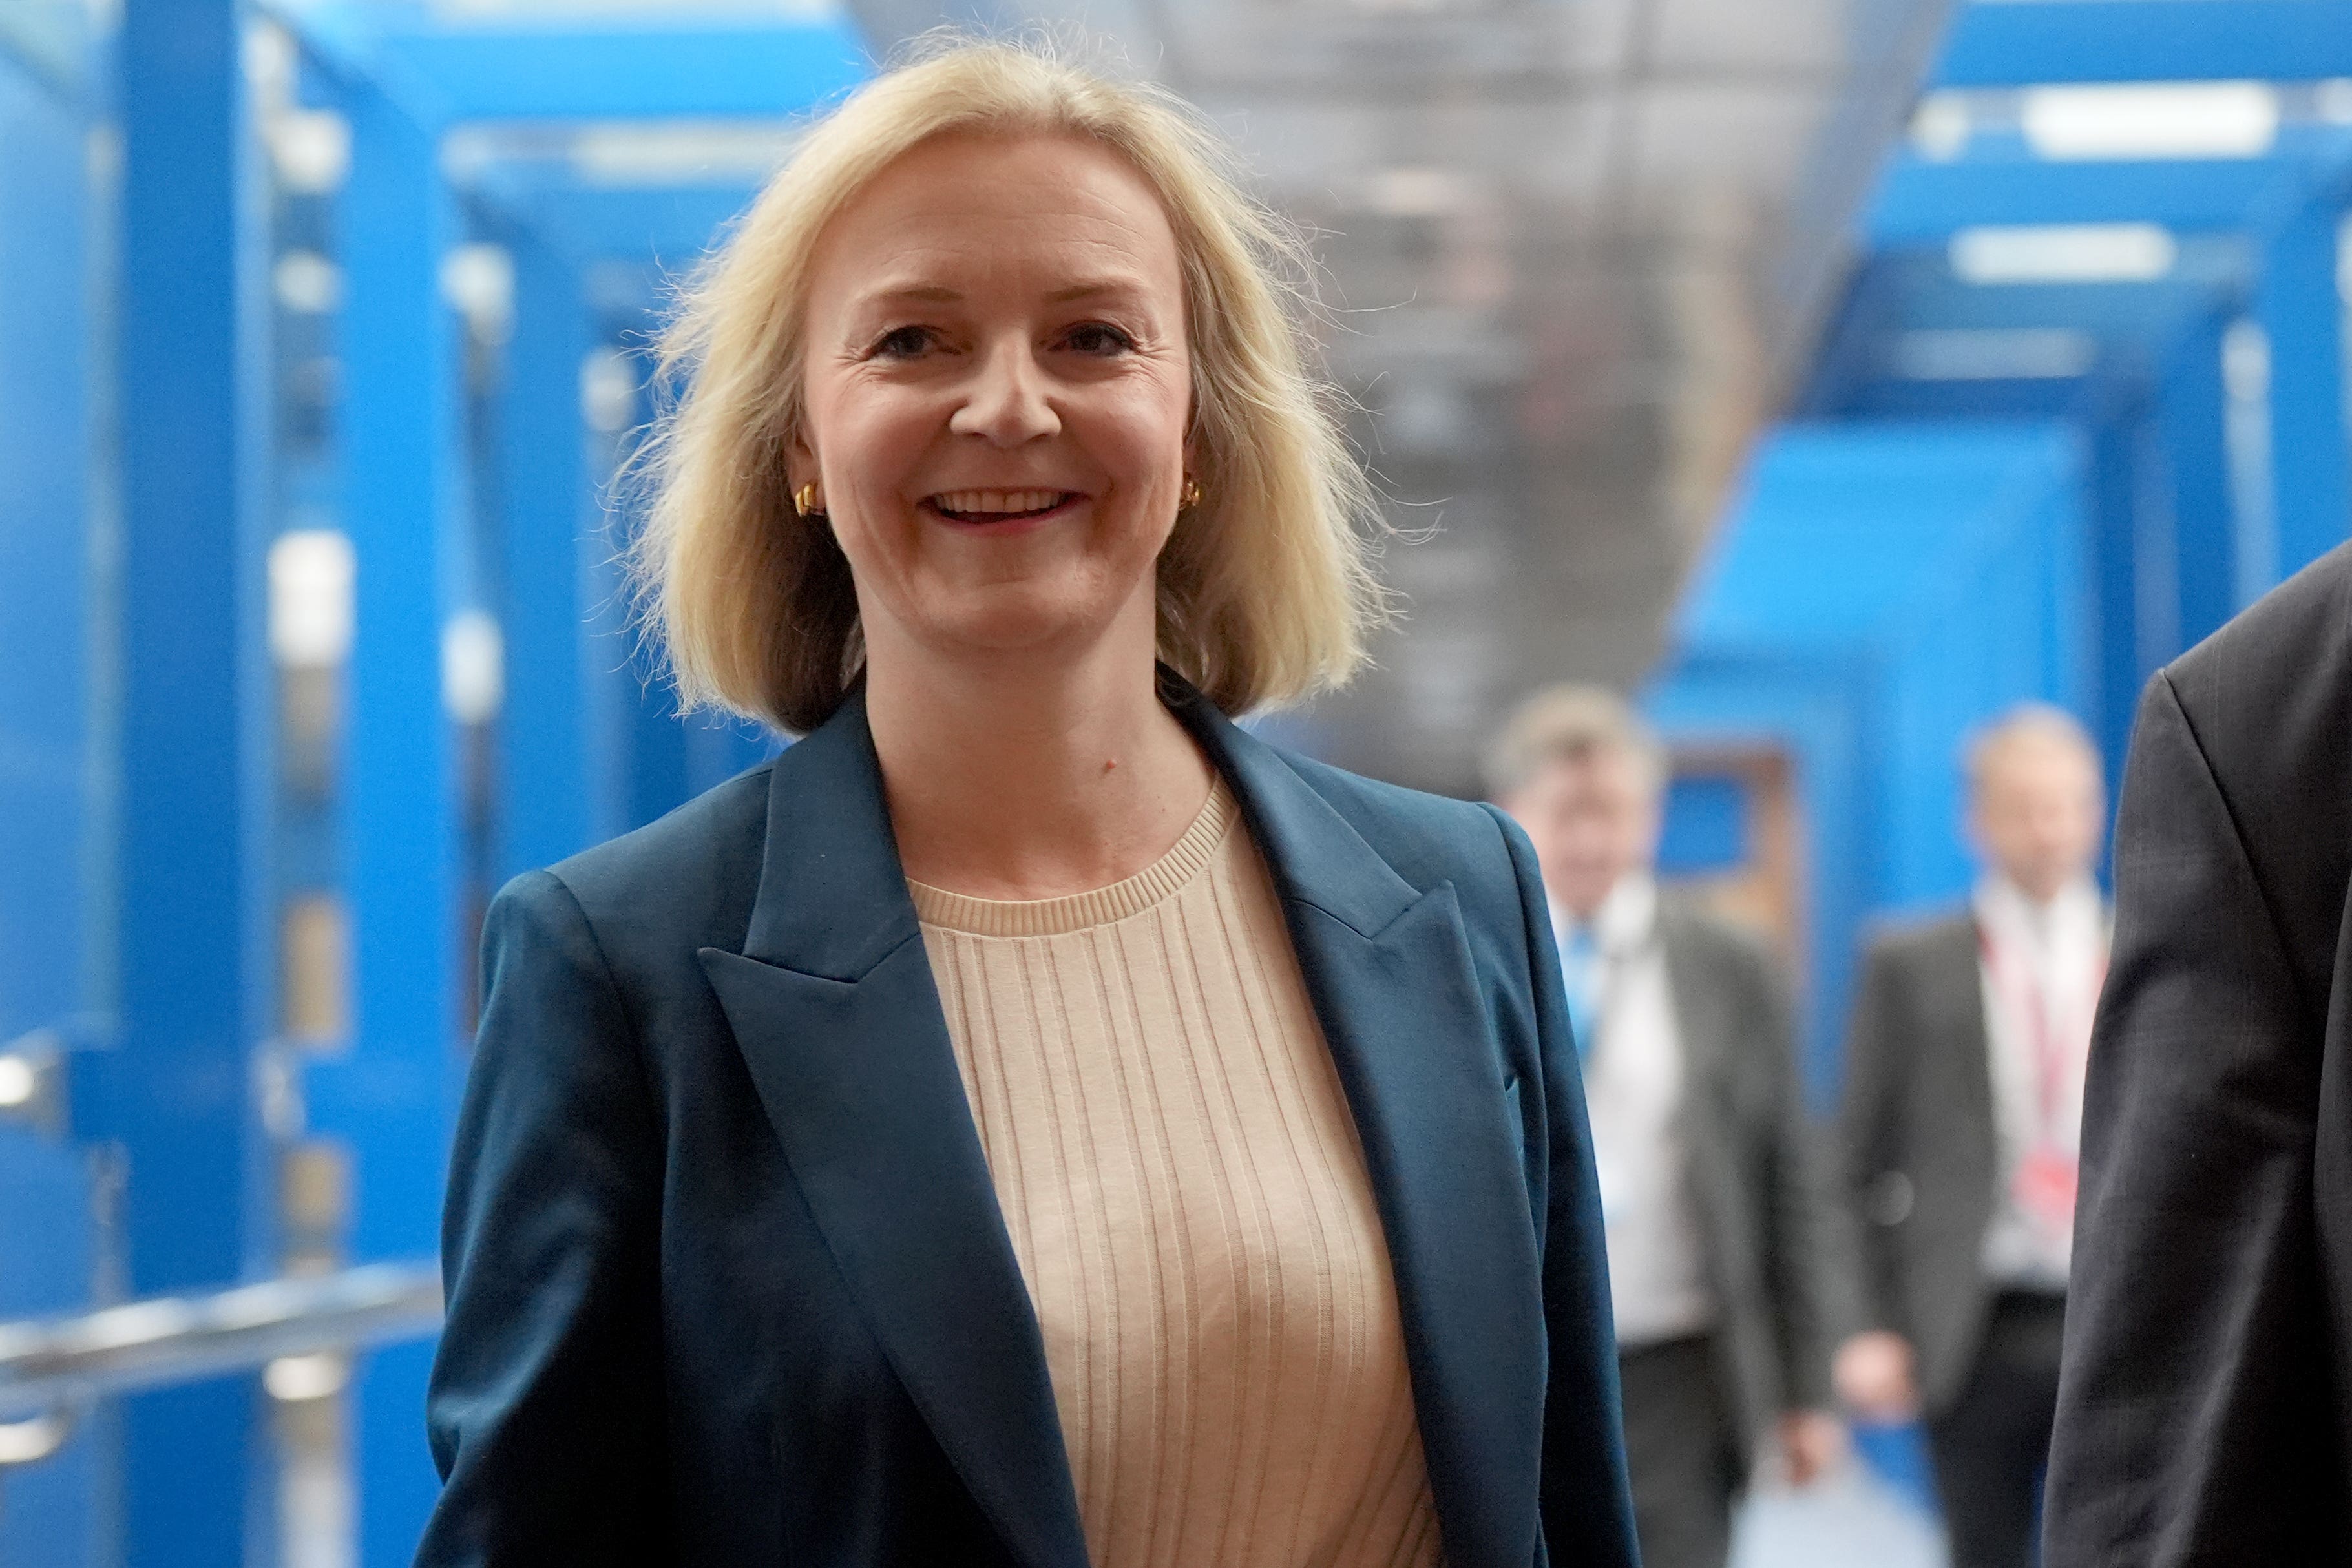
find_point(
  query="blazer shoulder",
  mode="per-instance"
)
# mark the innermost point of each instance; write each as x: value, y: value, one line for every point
x: 1427, y: 838
x: 2268, y: 703
x: 1713, y: 939
x: 1910, y: 941
x: 2299, y: 631
x: 693, y: 872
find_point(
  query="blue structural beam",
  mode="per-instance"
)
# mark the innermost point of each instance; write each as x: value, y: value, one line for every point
x: 390, y: 1099
x: 54, y: 912
x: 1920, y: 201
x: 177, y: 1095
x: 2190, y: 417
x: 2112, y: 491
x: 545, y: 808
x: 1995, y: 45
x: 2143, y: 317
x: 2298, y: 303
x: 445, y: 73
x: 670, y: 224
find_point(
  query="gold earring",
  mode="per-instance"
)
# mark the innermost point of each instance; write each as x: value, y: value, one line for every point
x: 805, y: 500
x: 1190, y: 496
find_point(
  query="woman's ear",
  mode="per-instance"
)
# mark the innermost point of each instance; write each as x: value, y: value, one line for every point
x: 801, y: 467
x: 803, y: 479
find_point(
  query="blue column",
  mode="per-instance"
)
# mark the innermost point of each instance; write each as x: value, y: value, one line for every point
x: 2300, y: 308
x: 544, y: 807
x: 390, y: 1100
x: 2189, y: 419
x: 658, y: 749
x: 2114, y: 496
x: 55, y: 909
x: 193, y: 702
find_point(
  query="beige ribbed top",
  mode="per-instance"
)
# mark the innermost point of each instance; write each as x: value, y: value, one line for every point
x: 1188, y: 1201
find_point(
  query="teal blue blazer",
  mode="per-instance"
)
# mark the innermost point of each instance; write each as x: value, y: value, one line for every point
x: 728, y: 1284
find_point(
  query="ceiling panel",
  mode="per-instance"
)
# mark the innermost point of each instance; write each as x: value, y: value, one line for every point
x: 1547, y: 226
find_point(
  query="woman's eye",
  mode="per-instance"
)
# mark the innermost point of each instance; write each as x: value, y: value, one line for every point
x: 902, y: 343
x: 1094, y: 338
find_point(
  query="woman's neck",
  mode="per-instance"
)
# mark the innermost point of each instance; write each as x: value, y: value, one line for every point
x: 1030, y: 778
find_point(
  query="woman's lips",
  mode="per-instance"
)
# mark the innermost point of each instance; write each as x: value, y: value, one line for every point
x: 1000, y: 511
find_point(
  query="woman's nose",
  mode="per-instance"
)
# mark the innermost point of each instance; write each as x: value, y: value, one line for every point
x: 1006, y: 403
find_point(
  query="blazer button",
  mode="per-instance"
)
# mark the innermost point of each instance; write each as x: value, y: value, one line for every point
x: 1890, y: 1198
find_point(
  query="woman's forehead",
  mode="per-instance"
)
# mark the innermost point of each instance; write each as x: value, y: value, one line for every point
x: 1059, y: 215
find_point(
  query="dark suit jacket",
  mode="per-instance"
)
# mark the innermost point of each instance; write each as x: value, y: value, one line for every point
x: 2205, y: 1408
x: 1920, y: 1155
x: 728, y: 1282
x: 1753, y: 1171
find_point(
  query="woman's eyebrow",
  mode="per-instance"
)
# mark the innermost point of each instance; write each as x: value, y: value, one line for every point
x: 1093, y: 287
x: 911, y: 294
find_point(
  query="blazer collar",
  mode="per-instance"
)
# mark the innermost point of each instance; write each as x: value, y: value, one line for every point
x: 1315, y: 858
x: 833, y: 898
x: 833, y: 1005
x: 1389, y: 971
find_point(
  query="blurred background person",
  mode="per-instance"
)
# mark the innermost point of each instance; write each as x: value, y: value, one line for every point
x: 1962, y: 1125
x: 2204, y: 1416
x: 1707, y: 1180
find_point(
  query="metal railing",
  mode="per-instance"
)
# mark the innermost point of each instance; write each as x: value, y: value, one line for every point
x: 50, y: 1367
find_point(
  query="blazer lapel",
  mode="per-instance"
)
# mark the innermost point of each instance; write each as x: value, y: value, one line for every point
x: 1389, y: 972
x: 832, y: 1003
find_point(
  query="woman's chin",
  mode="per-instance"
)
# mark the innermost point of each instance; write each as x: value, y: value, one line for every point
x: 1022, y: 616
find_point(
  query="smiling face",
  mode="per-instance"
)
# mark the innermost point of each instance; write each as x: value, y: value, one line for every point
x: 997, y: 395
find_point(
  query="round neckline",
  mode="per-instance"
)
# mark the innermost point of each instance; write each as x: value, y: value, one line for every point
x: 1098, y: 906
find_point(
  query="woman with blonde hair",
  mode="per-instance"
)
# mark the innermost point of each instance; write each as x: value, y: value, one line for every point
x: 1032, y: 1121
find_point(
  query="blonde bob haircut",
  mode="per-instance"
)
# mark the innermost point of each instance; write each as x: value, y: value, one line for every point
x: 1265, y: 588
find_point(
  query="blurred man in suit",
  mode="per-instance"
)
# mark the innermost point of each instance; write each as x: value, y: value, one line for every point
x: 2205, y: 1415
x: 1961, y: 1127
x: 1709, y: 1191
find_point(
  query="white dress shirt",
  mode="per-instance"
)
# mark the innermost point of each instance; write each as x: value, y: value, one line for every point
x: 2041, y: 967
x: 1633, y: 1080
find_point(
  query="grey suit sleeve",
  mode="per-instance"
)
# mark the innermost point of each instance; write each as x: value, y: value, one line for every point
x: 2197, y: 1364
x: 545, y: 1410
x: 1866, y: 1153
x: 1803, y: 1291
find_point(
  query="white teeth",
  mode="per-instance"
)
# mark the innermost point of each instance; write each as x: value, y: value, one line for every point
x: 973, y: 501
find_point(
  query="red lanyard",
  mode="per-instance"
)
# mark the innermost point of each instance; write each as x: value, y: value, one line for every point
x: 2052, y: 1059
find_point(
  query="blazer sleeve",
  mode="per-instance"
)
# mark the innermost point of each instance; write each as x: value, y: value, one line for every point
x: 1867, y: 1154
x: 1587, y: 1502
x: 546, y: 1409
x: 2197, y: 1364
x: 1799, y: 1219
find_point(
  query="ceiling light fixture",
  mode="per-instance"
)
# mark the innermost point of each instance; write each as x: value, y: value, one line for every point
x: 2151, y: 119
x: 1941, y: 126
x: 2064, y: 253
x: 1992, y: 353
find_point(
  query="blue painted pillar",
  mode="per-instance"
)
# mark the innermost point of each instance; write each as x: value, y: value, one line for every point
x: 2300, y: 308
x: 55, y: 903
x: 191, y: 956
x: 659, y: 767
x: 2190, y: 418
x: 545, y: 808
x: 2112, y: 480
x: 391, y: 1099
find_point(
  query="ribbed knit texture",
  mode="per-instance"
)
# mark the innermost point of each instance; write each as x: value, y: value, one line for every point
x: 1188, y: 1202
